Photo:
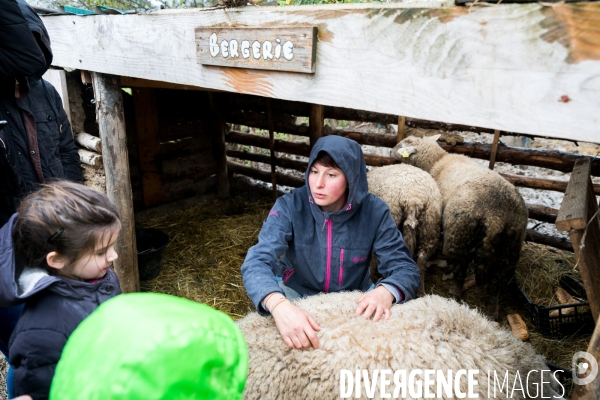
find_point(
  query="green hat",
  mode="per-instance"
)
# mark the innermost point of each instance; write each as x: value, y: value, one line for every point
x: 146, y: 346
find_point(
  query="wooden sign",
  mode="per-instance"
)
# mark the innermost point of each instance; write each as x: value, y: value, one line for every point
x: 280, y: 49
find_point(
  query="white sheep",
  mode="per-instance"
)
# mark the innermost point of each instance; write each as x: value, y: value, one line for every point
x: 431, y: 332
x: 415, y: 203
x: 484, y: 218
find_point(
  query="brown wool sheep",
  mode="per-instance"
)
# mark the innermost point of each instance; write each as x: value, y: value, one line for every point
x: 415, y: 203
x: 484, y: 218
x: 431, y: 332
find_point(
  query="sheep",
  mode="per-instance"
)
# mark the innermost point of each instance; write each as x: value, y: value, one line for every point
x: 431, y: 332
x: 415, y: 204
x: 484, y: 218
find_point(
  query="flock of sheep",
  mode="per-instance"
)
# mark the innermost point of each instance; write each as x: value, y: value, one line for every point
x: 445, y: 205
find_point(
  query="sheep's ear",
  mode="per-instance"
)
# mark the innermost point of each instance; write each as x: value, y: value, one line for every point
x: 437, y: 137
x: 403, y: 152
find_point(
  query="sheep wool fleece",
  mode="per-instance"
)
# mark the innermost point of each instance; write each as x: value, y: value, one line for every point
x: 430, y: 332
x: 317, y: 251
x: 150, y: 346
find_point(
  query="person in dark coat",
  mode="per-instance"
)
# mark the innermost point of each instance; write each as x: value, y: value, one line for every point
x: 56, y: 255
x: 36, y: 142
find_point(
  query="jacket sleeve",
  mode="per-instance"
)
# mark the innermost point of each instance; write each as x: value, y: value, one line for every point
x: 20, y: 54
x: 263, y: 258
x: 34, y: 354
x: 393, y: 259
x: 69, y: 155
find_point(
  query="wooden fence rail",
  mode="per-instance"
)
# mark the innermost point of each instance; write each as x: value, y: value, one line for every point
x: 303, y: 149
x: 551, y: 159
x: 300, y: 109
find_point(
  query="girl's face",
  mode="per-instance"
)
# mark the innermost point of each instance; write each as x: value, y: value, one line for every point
x: 328, y: 187
x: 94, y: 266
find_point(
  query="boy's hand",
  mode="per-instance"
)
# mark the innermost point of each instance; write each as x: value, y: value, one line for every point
x: 375, y: 303
x: 296, y: 326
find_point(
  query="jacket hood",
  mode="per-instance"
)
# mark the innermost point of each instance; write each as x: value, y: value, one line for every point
x: 150, y: 346
x: 39, y: 30
x: 19, y: 282
x: 349, y: 156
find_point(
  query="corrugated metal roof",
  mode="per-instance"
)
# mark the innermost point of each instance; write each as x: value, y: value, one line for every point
x: 69, y: 10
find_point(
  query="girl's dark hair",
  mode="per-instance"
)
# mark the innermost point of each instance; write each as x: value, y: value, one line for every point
x: 324, y: 159
x: 65, y: 217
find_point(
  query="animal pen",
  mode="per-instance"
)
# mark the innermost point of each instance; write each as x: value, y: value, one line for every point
x: 199, y: 90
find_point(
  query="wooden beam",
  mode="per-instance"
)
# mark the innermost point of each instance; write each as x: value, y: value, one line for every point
x: 264, y: 176
x: 401, y: 126
x: 542, y: 213
x: 540, y: 183
x: 148, y: 142
x: 548, y: 240
x: 495, y: 89
x: 579, y: 216
x: 127, y: 81
x: 111, y: 124
x: 316, y: 123
x: 218, y: 137
x: 281, y: 123
x: 299, y: 149
x: 574, y: 207
x: 494, y: 149
x: 299, y: 166
x: 552, y: 159
x: 272, y: 149
x: 86, y: 77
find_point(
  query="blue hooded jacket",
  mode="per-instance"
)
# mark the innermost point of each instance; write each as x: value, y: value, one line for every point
x: 317, y: 251
x: 54, y: 307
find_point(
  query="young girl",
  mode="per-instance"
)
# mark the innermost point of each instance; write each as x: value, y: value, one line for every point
x: 57, y: 253
x: 320, y: 238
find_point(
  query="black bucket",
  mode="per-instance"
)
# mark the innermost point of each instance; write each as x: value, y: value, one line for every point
x: 151, y: 244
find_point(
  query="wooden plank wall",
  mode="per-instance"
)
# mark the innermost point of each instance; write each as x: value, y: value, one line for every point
x: 170, y: 146
x: 527, y: 68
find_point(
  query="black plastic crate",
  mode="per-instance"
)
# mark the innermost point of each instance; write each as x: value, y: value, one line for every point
x: 578, y: 323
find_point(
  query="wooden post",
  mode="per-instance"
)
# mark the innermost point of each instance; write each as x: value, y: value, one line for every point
x: 86, y: 77
x: 111, y: 123
x: 494, y: 148
x: 218, y: 139
x: 401, y: 126
x: 578, y: 215
x: 148, y: 141
x: 315, y: 123
x: 272, y: 149
x: 591, y: 391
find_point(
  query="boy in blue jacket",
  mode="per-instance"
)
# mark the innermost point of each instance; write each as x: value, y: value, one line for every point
x: 320, y: 238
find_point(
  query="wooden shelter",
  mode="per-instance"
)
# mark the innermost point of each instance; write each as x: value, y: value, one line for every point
x: 530, y: 69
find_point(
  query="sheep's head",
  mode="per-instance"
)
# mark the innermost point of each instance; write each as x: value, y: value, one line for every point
x: 414, y: 151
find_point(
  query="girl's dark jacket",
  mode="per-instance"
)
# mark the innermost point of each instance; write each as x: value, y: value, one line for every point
x: 54, y: 307
x: 318, y: 251
x: 36, y: 142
